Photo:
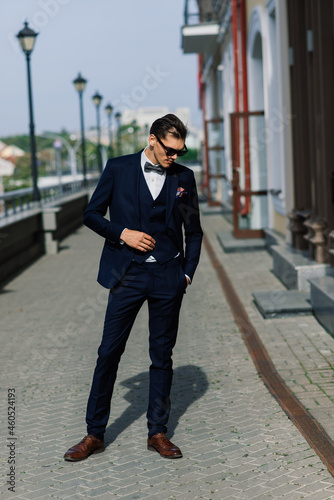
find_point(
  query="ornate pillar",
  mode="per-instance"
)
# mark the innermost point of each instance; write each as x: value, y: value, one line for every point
x: 319, y: 240
x: 298, y: 230
x: 308, y: 223
x: 330, y: 238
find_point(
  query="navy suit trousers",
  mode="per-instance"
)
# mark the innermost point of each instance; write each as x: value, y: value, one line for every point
x: 163, y: 287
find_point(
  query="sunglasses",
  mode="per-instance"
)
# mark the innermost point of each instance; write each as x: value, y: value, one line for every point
x: 171, y: 151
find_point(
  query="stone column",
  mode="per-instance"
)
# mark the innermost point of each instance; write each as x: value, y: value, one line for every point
x: 308, y: 223
x: 296, y: 226
x: 330, y: 238
x: 319, y: 240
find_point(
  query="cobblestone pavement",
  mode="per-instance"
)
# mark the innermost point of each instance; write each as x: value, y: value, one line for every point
x: 236, y: 440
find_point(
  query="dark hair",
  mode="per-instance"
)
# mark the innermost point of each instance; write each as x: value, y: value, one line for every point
x: 169, y: 124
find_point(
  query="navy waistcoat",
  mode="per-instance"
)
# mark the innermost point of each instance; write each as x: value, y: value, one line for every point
x: 153, y: 222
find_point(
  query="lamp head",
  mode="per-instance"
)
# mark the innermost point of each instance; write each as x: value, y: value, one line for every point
x: 27, y: 38
x: 80, y: 83
x: 108, y: 109
x: 97, y: 98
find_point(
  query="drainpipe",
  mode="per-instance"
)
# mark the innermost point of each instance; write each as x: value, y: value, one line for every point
x: 236, y: 86
x: 201, y: 88
x: 236, y: 9
x: 236, y: 52
x: 245, y: 103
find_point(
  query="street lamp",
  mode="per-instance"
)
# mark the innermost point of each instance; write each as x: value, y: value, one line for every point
x: 27, y: 38
x: 58, y: 145
x: 135, y: 137
x: 109, y: 110
x: 80, y: 84
x: 118, y: 117
x: 97, y: 98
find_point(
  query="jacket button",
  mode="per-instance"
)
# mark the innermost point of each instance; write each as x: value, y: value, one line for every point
x: 153, y: 206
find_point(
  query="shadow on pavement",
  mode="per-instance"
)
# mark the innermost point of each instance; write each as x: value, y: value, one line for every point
x: 189, y: 384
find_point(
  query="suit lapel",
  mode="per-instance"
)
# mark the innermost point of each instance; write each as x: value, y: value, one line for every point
x: 135, y: 178
x: 172, y: 183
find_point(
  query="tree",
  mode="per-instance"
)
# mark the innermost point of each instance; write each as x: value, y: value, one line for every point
x: 23, y: 167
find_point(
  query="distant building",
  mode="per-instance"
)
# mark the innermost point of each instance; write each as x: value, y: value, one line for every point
x: 144, y: 117
x: 141, y: 119
x: 11, y: 152
x: 6, y: 168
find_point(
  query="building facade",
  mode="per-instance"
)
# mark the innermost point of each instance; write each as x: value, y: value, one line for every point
x: 266, y: 82
x: 276, y: 58
x: 312, y: 105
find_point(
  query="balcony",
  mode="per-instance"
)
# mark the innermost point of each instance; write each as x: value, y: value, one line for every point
x: 200, y: 29
x: 199, y: 38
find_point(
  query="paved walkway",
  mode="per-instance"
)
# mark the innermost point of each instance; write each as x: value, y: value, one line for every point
x: 236, y: 440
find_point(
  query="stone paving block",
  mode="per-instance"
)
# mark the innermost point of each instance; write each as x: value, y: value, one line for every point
x: 134, y: 496
x: 43, y: 493
x: 293, y: 496
x: 326, y: 494
x: 73, y: 492
x: 225, y: 491
x: 311, y: 488
x: 284, y: 490
x: 102, y: 496
x: 158, y: 495
x: 106, y: 490
x: 254, y: 492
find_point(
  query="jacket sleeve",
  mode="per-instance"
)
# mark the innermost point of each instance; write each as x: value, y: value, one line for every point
x: 94, y: 216
x: 192, y: 230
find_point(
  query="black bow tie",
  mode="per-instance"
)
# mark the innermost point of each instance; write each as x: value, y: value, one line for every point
x: 148, y: 167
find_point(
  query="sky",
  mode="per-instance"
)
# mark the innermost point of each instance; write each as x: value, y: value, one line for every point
x: 128, y: 50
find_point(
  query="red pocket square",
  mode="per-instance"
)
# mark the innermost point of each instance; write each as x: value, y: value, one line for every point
x: 180, y: 192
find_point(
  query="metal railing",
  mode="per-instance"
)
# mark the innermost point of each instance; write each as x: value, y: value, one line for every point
x: 220, y: 7
x: 21, y: 200
x: 207, y: 11
x: 193, y: 14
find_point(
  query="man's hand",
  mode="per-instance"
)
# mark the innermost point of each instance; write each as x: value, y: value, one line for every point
x: 188, y: 280
x: 138, y: 240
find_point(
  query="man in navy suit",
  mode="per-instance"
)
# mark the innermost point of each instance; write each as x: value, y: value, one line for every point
x: 153, y: 209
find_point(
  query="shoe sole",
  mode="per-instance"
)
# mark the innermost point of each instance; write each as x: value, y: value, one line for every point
x: 95, y: 452
x: 151, y: 448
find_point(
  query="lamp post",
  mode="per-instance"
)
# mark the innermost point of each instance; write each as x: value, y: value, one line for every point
x: 135, y: 137
x: 109, y: 110
x: 97, y: 98
x: 80, y: 84
x: 118, y: 120
x: 147, y: 129
x: 58, y: 145
x: 27, y: 38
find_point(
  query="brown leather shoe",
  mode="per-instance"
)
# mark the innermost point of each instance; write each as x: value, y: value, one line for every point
x: 161, y: 444
x: 87, y: 446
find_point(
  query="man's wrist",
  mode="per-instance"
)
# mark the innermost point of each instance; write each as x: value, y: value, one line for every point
x: 120, y: 237
x: 188, y: 279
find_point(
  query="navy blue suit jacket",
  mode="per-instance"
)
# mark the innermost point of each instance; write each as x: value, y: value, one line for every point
x: 118, y: 191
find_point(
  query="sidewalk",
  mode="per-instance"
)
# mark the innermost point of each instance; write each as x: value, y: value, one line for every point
x: 236, y: 440
x: 300, y: 348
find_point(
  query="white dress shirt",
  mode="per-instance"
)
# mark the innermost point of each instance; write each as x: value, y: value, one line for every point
x: 154, y: 183
x: 153, y: 180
